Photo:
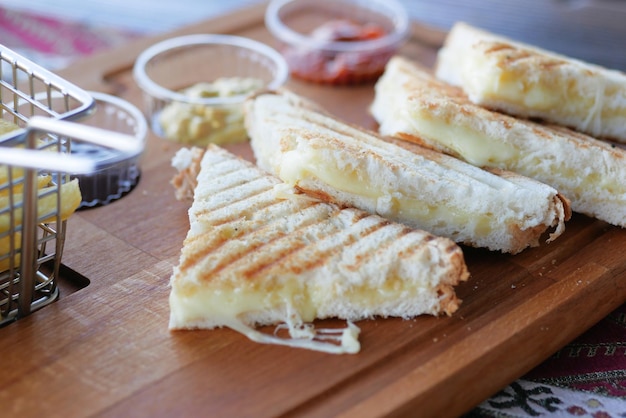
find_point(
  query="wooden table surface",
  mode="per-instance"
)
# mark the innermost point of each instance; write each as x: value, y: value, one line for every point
x: 105, y: 349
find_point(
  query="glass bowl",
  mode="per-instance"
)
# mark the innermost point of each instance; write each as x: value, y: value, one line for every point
x: 194, y: 86
x: 339, y: 42
x: 115, y: 175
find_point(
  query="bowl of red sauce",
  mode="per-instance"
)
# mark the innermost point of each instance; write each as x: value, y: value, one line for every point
x: 338, y: 42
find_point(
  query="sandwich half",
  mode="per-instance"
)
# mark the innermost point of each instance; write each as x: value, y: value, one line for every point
x: 412, y: 104
x: 527, y: 81
x: 425, y: 189
x: 258, y: 253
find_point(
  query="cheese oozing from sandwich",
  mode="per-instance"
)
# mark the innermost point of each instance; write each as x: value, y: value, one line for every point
x: 422, y: 188
x: 410, y: 103
x: 258, y: 253
x: 527, y: 81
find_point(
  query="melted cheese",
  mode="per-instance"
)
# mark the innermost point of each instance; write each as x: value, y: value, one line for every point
x: 558, y: 97
x: 227, y: 308
x: 488, y: 82
x: 298, y: 165
x: 296, y: 302
x: 475, y: 147
x: 306, y: 163
x: 484, y: 150
x: 333, y: 341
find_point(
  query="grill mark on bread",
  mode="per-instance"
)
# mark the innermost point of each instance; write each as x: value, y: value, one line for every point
x: 289, y: 257
x: 496, y: 47
x: 245, y: 219
x: 267, y: 232
x: 363, y: 258
x: 263, y: 199
x: 231, y: 179
x: 297, y: 265
x: 315, y: 129
x: 307, y: 257
x: 271, y: 233
x: 509, y: 55
x: 258, y: 233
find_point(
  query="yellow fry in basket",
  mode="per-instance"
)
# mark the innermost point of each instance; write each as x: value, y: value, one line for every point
x: 5, y: 246
x: 4, y: 174
x: 42, y: 181
x: 6, y: 126
x: 17, y: 173
x: 70, y: 200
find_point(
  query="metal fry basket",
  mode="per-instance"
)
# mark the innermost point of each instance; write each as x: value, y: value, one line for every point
x: 32, y: 222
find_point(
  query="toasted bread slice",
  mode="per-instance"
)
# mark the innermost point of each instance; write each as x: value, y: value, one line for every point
x: 422, y: 188
x: 410, y: 103
x: 526, y: 81
x: 258, y: 254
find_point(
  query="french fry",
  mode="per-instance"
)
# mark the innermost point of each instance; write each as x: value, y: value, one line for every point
x: 6, y: 126
x: 5, y: 246
x: 47, y: 202
x: 70, y: 200
x: 42, y: 181
x: 4, y: 174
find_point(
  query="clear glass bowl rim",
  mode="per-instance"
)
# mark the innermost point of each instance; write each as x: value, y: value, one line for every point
x: 399, y: 16
x: 157, y: 91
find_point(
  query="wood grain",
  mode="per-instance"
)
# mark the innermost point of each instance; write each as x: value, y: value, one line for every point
x: 105, y: 350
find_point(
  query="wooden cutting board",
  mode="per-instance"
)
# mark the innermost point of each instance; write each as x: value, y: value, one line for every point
x: 105, y: 350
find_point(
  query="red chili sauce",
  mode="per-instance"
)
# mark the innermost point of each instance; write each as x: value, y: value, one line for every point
x: 334, y: 67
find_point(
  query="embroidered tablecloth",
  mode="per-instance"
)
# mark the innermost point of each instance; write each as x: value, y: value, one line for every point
x: 586, y: 378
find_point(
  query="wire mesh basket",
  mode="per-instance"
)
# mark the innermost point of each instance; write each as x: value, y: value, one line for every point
x: 36, y: 148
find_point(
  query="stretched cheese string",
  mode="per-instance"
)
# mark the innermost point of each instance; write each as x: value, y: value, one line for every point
x: 333, y: 341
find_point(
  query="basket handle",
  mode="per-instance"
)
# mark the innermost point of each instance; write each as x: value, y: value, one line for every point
x: 67, y: 163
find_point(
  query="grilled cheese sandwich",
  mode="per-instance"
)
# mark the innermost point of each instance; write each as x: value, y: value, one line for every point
x: 412, y: 104
x: 425, y: 189
x: 258, y: 253
x: 527, y: 81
